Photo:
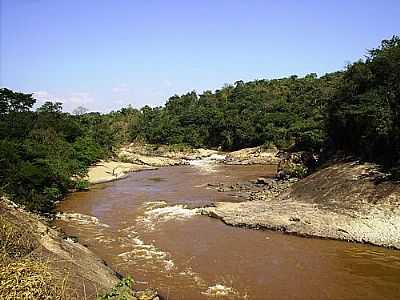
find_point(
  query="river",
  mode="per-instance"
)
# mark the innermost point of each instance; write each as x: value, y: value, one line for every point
x: 147, y: 225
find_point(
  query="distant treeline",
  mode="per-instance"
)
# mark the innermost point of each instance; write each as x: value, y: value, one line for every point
x: 355, y: 111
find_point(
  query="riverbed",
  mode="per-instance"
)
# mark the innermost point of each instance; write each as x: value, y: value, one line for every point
x: 149, y: 226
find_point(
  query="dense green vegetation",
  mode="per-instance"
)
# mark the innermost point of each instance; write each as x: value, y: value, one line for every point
x: 41, y: 151
x: 355, y: 111
x: 280, y: 112
x: 363, y: 116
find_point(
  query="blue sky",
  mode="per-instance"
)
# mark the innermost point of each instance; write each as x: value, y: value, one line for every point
x: 108, y: 54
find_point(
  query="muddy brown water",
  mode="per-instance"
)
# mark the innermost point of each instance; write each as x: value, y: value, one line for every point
x: 144, y: 226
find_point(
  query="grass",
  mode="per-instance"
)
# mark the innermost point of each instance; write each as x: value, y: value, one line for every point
x: 15, y: 241
x: 29, y: 279
x: 24, y: 275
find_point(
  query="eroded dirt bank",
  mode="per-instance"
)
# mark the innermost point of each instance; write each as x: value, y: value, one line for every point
x: 346, y: 201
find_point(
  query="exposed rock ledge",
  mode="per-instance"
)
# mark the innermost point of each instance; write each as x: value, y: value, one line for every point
x: 343, y: 201
x: 137, y: 157
x: 159, y: 155
x: 249, y: 156
x: 134, y: 157
x: 84, y: 273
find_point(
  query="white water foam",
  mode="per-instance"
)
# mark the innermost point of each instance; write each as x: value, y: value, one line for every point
x: 157, y: 212
x: 189, y: 273
x: 220, y: 290
x: 80, y: 219
x: 208, y: 164
x: 149, y: 253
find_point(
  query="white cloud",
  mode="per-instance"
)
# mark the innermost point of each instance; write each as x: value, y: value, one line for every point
x: 70, y: 101
x: 42, y: 97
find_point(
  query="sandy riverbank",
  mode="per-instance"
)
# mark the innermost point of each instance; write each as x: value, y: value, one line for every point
x: 345, y: 201
x: 134, y: 157
x: 106, y: 171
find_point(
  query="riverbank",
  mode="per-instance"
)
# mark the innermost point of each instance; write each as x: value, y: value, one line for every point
x: 67, y: 269
x: 348, y: 201
x: 138, y: 157
x: 39, y: 262
x: 149, y: 225
x: 106, y: 171
x: 251, y: 156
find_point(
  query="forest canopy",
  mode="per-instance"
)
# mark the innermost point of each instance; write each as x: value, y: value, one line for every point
x: 355, y: 111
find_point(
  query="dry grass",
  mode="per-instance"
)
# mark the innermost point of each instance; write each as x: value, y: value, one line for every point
x: 29, y: 279
x: 15, y: 241
x: 23, y: 273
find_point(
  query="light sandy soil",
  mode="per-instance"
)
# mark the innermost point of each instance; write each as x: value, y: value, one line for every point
x: 346, y: 201
x: 105, y: 171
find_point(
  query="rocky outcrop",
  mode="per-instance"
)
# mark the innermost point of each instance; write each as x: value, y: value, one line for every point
x: 84, y: 274
x: 256, y: 155
x: 134, y: 157
x: 154, y: 161
x: 258, y: 189
x: 173, y: 152
x: 160, y: 156
x: 345, y: 200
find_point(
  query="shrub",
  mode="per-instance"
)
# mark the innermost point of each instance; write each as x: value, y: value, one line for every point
x: 121, y: 291
x: 81, y: 184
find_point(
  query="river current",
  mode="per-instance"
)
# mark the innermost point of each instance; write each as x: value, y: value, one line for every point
x: 149, y: 226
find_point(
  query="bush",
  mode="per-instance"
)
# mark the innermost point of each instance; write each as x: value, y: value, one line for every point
x: 121, y: 291
x: 292, y: 170
x: 81, y: 184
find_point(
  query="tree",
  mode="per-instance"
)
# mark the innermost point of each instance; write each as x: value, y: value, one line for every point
x: 14, y: 102
x: 50, y: 107
x: 80, y: 110
x: 363, y: 116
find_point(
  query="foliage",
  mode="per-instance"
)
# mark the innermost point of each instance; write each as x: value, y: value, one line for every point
x: 356, y: 111
x: 41, y: 151
x: 81, y: 184
x: 363, y: 116
x: 279, y: 112
x: 121, y: 291
x: 295, y: 170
